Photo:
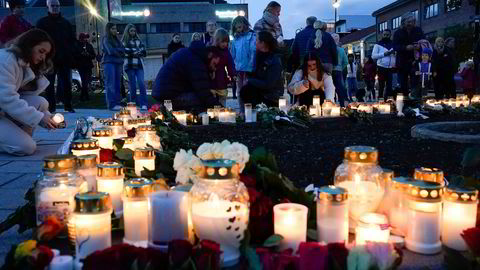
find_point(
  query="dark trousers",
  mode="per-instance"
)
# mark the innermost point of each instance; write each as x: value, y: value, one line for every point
x: 339, y: 83
x: 64, y: 88
x: 86, y: 76
x: 384, y: 82
x: 406, y: 79
x: 444, y: 86
x: 306, y: 98
x: 370, y: 86
x: 251, y: 94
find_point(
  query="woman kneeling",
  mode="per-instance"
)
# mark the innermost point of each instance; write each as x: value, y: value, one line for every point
x: 22, y: 67
x: 311, y: 80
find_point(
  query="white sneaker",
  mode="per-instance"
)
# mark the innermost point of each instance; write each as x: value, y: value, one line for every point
x: 117, y: 108
x: 144, y: 108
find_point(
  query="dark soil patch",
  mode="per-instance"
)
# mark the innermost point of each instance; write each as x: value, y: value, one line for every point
x: 312, y: 155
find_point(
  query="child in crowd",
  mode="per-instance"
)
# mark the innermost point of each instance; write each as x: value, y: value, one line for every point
x: 423, y: 73
x: 226, y: 64
x: 468, y: 75
x: 242, y: 49
x: 196, y: 36
x: 369, y: 73
x: 352, y: 77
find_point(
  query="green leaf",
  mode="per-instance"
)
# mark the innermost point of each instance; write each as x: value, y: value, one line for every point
x: 273, y: 241
x: 312, y: 234
x: 124, y: 154
x: 253, y: 259
x: 118, y: 144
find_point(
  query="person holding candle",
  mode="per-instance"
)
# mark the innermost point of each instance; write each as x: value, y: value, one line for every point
x: 22, y: 79
x: 311, y: 80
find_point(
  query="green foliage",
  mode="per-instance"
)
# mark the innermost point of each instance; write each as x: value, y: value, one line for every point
x: 24, y: 216
x: 273, y: 241
x: 357, y: 116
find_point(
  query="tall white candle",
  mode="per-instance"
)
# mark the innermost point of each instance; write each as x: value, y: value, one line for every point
x: 290, y: 221
x: 399, y: 104
x: 63, y: 262
x: 114, y: 187
x: 144, y: 163
x: 205, y: 119
x: 93, y: 232
x: 282, y: 104
x: 248, y: 112
x: 135, y: 215
x: 332, y: 215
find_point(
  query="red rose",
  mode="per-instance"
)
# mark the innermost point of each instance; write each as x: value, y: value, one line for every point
x: 42, y: 256
x: 131, y: 133
x: 207, y: 256
x: 277, y: 261
x: 49, y: 229
x: 262, y: 206
x: 253, y: 195
x: 179, y: 251
x: 249, y: 181
x: 472, y: 238
x: 120, y: 257
x: 313, y: 256
x: 106, y: 155
x: 338, y: 253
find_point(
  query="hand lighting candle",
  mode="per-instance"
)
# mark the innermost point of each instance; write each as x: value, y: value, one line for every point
x: 59, y: 119
x: 290, y: 221
x: 110, y: 176
x: 135, y: 211
x: 332, y: 215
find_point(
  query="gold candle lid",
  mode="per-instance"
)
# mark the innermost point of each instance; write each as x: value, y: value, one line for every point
x: 138, y: 188
x: 127, y: 140
x: 92, y: 203
x: 146, y: 152
x: 59, y: 163
x: 141, y: 120
x: 87, y: 161
x: 115, y: 123
x: 102, y: 132
x: 425, y: 191
x: 132, y: 121
x: 363, y: 154
x: 131, y: 104
x: 160, y: 184
x: 387, y: 175
x: 461, y: 194
x: 109, y: 169
x: 179, y: 112
x: 216, y: 169
x: 146, y: 128
x: 429, y: 174
x: 104, y: 120
x: 85, y: 144
x: 402, y: 183
x: 332, y: 194
x: 123, y: 112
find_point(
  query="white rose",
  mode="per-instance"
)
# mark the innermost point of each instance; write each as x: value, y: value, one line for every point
x: 182, y: 160
x: 183, y: 176
x: 195, y: 164
x: 205, y: 151
x: 239, y: 153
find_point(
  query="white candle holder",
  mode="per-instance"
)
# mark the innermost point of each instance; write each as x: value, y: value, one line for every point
x: 135, y: 211
x: 147, y: 137
x: 398, y: 206
x: 144, y: 159
x: 87, y: 168
x: 124, y: 115
x: 399, y: 104
x: 429, y: 175
x: 104, y: 137
x: 84, y: 147
x: 372, y: 227
x: 332, y: 215
x: 290, y: 221
x: 282, y: 104
x: 118, y: 128
x: 248, y: 112
x: 361, y: 176
x: 132, y: 108
x: 220, y: 207
x: 459, y: 214
x: 128, y: 143
x: 424, y: 214
x: 110, y: 176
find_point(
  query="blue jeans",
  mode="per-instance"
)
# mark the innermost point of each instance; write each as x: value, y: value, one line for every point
x: 339, y: 83
x: 352, y: 87
x: 113, y: 74
x: 135, y: 75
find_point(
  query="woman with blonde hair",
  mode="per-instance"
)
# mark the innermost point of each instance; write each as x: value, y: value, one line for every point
x: 270, y: 22
x: 113, y: 53
x: 22, y: 69
x: 324, y: 46
x: 135, y: 52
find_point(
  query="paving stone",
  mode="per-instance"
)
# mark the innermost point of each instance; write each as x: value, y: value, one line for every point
x: 10, y: 199
x: 23, y: 181
x: 10, y: 238
x: 33, y: 166
x: 7, y: 177
x: 42, y: 150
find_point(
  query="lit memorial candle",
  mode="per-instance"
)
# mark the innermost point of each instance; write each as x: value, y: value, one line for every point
x: 104, y: 137
x: 332, y: 215
x: 144, y: 159
x: 372, y: 227
x: 87, y: 168
x: 110, y: 176
x: 84, y: 147
x: 429, y: 174
x: 135, y: 211
x: 290, y: 221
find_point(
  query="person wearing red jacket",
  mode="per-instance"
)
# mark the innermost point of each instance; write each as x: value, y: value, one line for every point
x: 14, y: 24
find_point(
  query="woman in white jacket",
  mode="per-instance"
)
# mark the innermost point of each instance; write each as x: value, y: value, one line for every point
x: 22, y: 66
x: 311, y: 80
x: 384, y: 54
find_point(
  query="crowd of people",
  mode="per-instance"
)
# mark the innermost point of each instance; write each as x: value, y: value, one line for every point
x: 255, y: 62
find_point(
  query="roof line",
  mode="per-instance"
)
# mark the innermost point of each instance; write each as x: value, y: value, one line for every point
x: 389, y: 7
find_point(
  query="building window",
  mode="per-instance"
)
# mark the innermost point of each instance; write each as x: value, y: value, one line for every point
x: 396, y: 22
x: 164, y: 27
x: 141, y: 28
x: 431, y: 11
x: 191, y: 27
x: 431, y: 36
x: 451, y: 5
x: 383, y: 26
x: 415, y: 13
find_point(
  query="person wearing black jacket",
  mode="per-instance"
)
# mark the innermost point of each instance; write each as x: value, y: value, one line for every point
x: 266, y: 83
x: 443, y: 67
x: 405, y: 43
x: 174, y: 45
x: 85, y: 64
x: 61, y: 31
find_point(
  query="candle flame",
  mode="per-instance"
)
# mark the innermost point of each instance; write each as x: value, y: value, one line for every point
x: 356, y: 178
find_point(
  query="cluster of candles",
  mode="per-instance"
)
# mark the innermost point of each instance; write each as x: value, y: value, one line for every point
x: 327, y: 109
x: 461, y: 100
x: 223, y: 115
x: 382, y: 107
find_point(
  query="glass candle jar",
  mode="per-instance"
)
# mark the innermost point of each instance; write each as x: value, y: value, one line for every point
x: 90, y: 225
x: 124, y: 115
x: 424, y: 214
x: 132, y: 108
x: 84, y: 147
x: 144, y: 159
x: 372, y: 227
x: 110, y: 176
x: 360, y: 175
x: 332, y: 215
x: 290, y: 221
x: 132, y: 123
x: 104, y: 137
x: 384, y: 207
x: 118, y: 128
x: 327, y: 108
x: 135, y: 211
x: 87, y: 168
x: 147, y: 136
x: 220, y: 207
x: 459, y: 214
x: 397, y: 208
x: 429, y: 174
x: 55, y: 191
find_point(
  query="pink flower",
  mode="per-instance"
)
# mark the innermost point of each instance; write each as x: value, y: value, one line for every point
x: 383, y: 253
x: 313, y: 256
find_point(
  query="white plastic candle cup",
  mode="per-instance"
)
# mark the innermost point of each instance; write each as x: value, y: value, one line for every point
x: 332, y: 215
x: 254, y: 116
x: 398, y: 207
x: 135, y: 211
x: 372, y: 227
x: 459, y: 214
x: 290, y: 221
x: 104, y: 137
x: 248, y: 112
x: 335, y: 111
x: 144, y: 159
x: 87, y: 168
x: 282, y: 104
x: 205, y: 119
x: 85, y: 147
x: 181, y: 117
x: 110, y: 177
x: 316, y: 100
x: 429, y: 175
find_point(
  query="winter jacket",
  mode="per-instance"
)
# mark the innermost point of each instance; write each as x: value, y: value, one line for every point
x: 270, y: 23
x: 342, y: 60
x: 134, y: 53
x: 63, y: 35
x: 268, y: 76
x: 186, y: 73
x: 173, y: 47
x: 296, y: 87
x: 300, y: 44
x: 243, y: 49
x: 112, y: 53
x: 443, y: 63
x: 423, y: 72
x: 469, y: 78
x: 220, y: 81
x: 86, y: 56
x: 15, y: 74
x: 12, y: 26
x: 369, y: 71
x: 328, y: 52
x: 352, y: 73
x: 207, y: 39
x: 401, y: 39
x: 379, y: 51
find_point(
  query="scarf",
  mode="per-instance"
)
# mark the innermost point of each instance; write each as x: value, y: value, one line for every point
x: 273, y: 22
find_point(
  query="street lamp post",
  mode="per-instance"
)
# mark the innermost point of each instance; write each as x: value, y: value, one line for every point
x: 336, y: 5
